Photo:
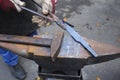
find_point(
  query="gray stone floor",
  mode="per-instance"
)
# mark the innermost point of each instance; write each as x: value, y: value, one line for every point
x: 104, y: 71
x: 94, y: 19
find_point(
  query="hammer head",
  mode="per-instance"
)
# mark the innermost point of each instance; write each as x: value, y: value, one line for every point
x: 56, y: 44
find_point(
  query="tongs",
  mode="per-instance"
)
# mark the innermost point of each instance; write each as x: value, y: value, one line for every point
x: 51, y: 16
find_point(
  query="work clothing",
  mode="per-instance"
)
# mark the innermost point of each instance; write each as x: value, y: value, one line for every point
x: 18, y: 23
x: 47, y: 5
x: 6, y: 5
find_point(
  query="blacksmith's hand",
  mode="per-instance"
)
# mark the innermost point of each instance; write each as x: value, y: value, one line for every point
x: 16, y: 3
x: 48, y: 6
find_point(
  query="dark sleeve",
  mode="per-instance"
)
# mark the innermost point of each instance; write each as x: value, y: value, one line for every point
x: 18, y: 23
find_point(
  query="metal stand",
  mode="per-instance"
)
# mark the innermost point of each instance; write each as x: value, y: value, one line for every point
x: 58, y: 74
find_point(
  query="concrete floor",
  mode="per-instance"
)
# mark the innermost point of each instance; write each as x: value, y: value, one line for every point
x: 94, y: 19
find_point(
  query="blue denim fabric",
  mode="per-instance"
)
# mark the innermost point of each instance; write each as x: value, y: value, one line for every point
x: 9, y: 57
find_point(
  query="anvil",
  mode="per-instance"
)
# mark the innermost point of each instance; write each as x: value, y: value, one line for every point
x: 71, y: 56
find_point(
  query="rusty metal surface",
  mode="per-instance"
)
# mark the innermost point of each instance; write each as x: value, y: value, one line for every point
x: 103, y: 48
x: 19, y: 49
x: 26, y: 40
x: 24, y: 50
x: 69, y: 49
x: 56, y: 44
x: 72, y: 49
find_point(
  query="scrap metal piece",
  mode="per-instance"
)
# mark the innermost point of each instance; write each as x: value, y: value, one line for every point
x: 26, y: 40
x: 56, y: 44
